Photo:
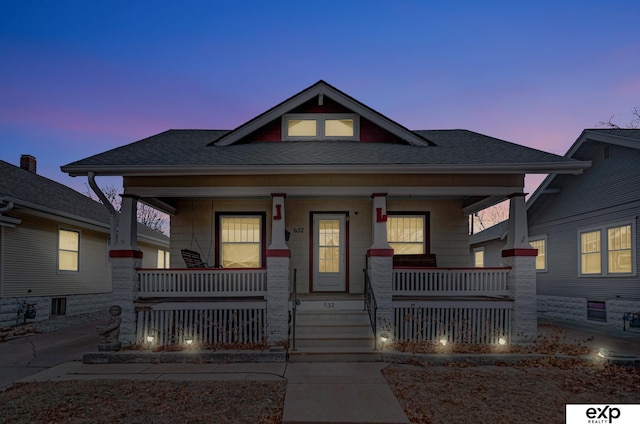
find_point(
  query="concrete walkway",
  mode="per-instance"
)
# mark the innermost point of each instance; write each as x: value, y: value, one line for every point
x: 316, y: 392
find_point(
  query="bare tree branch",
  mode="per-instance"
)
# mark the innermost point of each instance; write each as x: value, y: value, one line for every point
x: 146, y: 215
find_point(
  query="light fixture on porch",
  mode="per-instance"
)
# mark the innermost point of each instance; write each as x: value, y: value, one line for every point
x: 384, y: 338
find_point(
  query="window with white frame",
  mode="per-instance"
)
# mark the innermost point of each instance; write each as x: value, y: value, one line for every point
x: 163, y: 259
x: 68, y: 250
x: 607, y: 250
x: 541, y: 259
x: 478, y: 257
x: 241, y: 243
x: 406, y: 234
x: 319, y: 126
x: 619, y: 250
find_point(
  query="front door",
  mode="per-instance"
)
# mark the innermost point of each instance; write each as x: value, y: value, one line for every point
x: 329, y: 252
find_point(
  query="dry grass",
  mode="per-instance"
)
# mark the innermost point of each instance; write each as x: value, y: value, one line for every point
x: 109, y: 401
x: 533, y: 392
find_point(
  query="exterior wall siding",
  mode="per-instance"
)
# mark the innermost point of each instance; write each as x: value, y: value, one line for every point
x: 607, y: 193
x: 30, y: 265
x: 193, y: 227
x: 608, y: 183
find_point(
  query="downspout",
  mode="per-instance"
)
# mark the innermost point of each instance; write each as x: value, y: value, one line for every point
x: 113, y: 214
x: 7, y: 207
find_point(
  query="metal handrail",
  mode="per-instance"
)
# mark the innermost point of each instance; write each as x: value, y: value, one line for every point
x: 371, y: 306
x: 296, y: 302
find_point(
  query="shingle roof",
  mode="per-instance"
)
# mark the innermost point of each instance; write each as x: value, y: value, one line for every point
x: 26, y: 189
x: 494, y: 232
x: 181, y: 150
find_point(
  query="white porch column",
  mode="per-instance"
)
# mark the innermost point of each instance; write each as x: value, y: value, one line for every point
x: 521, y: 281
x: 380, y: 265
x: 379, y: 221
x: 126, y: 257
x: 278, y: 259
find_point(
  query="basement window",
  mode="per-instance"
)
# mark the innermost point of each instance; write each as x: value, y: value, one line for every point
x: 58, y: 306
x: 323, y: 126
x: 596, y: 311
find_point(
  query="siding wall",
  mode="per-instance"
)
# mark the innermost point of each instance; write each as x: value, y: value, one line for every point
x: 30, y: 265
x: 609, y: 192
x: 193, y: 227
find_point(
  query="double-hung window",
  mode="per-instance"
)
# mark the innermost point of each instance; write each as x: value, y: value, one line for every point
x: 320, y: 126
x: 241, y: 240
x: 541, y: 245
x: 407, y: 234
x: 68, y: 250
x: 478, y: 257
x: 163, y: 259
x: 607, y: 250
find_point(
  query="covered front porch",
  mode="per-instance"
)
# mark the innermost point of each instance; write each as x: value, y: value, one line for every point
x: 209, y: 306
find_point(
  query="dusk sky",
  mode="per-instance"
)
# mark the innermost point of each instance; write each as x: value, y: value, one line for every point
x: 81, y: 77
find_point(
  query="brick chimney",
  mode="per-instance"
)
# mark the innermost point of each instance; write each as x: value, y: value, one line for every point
x: 28, y: 162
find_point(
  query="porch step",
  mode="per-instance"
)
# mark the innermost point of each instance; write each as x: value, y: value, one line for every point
x: 331, y: 334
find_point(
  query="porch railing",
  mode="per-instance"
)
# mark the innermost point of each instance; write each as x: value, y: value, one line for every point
x: 455, y: 321
x: 450, y: 281
x: 371, y: 306
x: 202, y: 283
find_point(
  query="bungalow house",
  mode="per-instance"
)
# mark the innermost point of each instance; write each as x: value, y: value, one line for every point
x: 54, y: 247
x: 585, y: 228
x: 316, y: 207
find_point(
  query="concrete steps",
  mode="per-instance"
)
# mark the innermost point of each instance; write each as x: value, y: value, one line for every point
x: 333, y: 329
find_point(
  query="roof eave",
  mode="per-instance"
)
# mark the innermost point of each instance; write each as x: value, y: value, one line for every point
x: 573, y: 167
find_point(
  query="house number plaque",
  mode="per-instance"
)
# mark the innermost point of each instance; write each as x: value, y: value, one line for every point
x: 298, y: 230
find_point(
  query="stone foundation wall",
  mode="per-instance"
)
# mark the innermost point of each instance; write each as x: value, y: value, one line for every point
x: 569, y: 308
x: 575, y: 308
x: 76, y: 305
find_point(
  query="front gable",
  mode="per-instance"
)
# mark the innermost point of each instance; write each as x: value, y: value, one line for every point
x: 315, y: 106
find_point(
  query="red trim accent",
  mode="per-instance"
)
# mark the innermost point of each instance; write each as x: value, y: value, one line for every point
x: 380, y: 252
x: 125, y: 254
x: 279, y: 195
x: 519, y: 252
x: 278, y: 215
x: 379, y: 195
x: 278, y: 253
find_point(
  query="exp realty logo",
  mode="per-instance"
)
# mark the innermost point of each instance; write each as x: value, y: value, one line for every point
x: 602, y: 414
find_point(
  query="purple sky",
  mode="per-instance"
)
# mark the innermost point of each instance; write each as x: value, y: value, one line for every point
x: 81, y: 77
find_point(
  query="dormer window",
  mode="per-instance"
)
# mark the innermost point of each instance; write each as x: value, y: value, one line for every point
x: 322, y: 126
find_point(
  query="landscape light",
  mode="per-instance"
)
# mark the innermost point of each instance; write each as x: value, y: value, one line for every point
x: 502, y: 341
x: 188, y: 341
x: 443, y: 341
x: 603, y: 352
x: 150, y: 339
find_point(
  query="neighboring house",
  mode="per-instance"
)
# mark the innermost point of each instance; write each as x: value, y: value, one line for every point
x: 585, y: 228
x: 325, y: 186
x: 54, y: 247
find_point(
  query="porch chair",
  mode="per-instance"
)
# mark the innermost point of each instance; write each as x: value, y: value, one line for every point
x: 193, y: 259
